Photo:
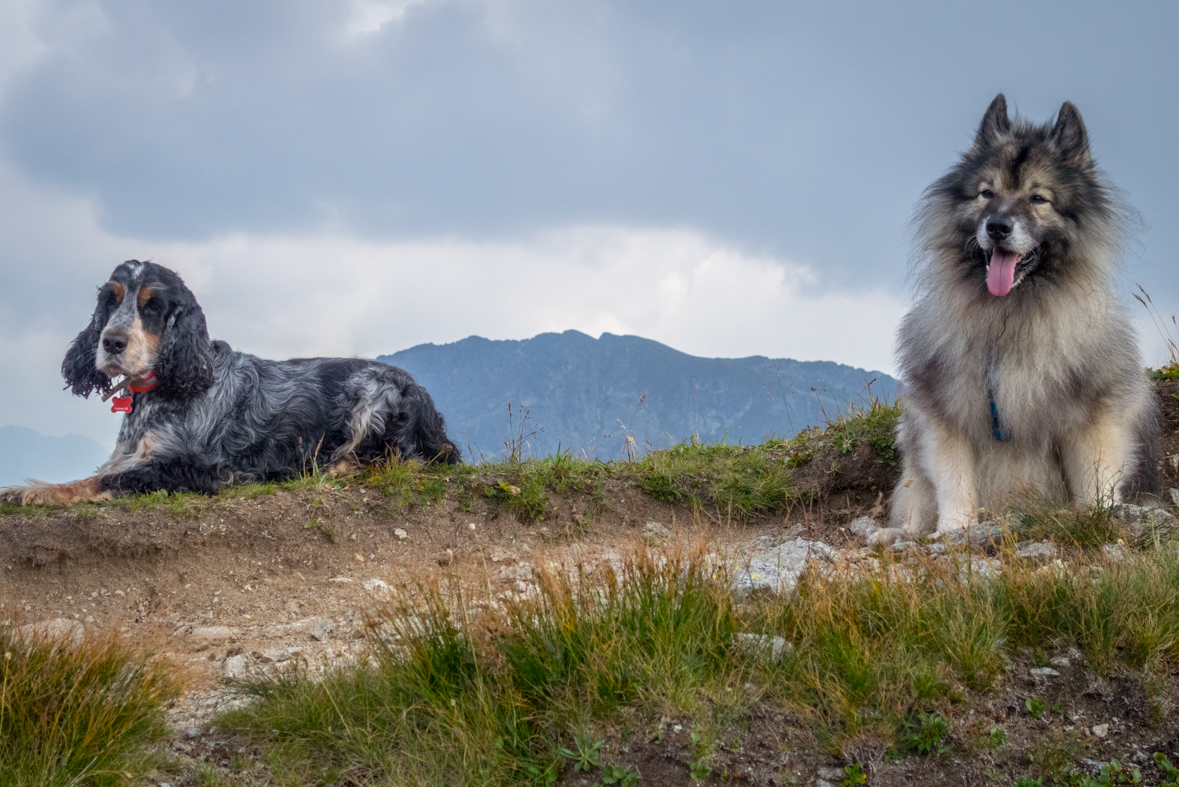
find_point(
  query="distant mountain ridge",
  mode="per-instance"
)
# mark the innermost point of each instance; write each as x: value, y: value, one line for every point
x: 584, y: 393
x: 25, y: 453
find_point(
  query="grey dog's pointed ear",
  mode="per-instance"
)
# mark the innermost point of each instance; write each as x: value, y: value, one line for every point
x: 1069, y: 134
x: 995, y: 123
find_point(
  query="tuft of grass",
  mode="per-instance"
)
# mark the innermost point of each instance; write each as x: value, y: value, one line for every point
x: 739, y: 481
x: 873, y: 425
x: 82, y: 713
x: 1081, y: 527
x: 448, y: 701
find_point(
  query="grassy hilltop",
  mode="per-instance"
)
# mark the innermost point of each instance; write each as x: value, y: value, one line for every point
x: 1043, y: 654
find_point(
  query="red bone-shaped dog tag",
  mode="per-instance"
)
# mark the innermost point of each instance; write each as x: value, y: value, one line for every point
x: 121, y: 404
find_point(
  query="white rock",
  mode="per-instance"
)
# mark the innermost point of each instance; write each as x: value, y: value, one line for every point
x: 1043, y: 674
x: 375, y: 585
x: 1174, y: 496
x: 986, y: 567
x: 655, y: 533
x: 1060, y: 662
x: 55, y: 631
x: 320, y: 629
x: 213, y: 635
x: 1100, y: 730
x: 779, y: 569
x: 1114, y: 553
x: 831, y: 774
x: 765, y: 644
x: 862, y: 526
x: 401, y: 534
x: 1036, y: 550
x: 985, y: 534
x: 236, y: 667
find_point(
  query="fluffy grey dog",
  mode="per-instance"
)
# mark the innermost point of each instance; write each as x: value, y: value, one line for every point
x: 1022, y: 374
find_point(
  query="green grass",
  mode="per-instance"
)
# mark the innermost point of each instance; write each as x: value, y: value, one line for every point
x: 450, y: 702
x: 732, y: 481
x: 873, y: 425
x: 495, y: 699
x: 736, y: 481
x: 1085, y: 527
x: 78, y: 715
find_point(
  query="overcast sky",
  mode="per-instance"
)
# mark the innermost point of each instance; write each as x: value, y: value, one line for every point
x: 357, y: 177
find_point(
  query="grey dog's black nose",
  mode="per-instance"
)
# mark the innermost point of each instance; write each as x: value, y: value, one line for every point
x: 999, y: 227
x: 114, y: 343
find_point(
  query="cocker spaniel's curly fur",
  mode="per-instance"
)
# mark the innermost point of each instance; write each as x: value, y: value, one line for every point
x: 212, y: 417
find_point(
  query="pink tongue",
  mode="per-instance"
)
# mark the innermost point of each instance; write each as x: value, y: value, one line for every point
x: 1001, y: 276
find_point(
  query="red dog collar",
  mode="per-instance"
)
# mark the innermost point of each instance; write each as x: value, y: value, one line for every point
x: 144, y: 379
x: 122, y: 404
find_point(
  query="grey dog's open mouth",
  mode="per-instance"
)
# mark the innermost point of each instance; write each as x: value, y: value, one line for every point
x: 1005, y: 269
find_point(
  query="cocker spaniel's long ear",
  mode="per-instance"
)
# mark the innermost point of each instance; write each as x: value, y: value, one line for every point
x: 184, y: 360
x: 78, y: 368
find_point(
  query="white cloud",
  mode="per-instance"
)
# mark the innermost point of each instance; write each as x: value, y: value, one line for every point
x: 366, y: 17
x: 336, y: 295
x: 330, y: 293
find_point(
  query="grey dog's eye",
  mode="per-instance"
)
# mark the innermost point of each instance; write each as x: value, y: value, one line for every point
x: 1038, y: 199
x: 986, y: 194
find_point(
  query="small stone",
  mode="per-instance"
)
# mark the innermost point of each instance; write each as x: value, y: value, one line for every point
x: 777, y: 647
x: 375, y: 585
x: 236, y: 667
x: 212, y: 635
x: 779, y: 569
x: 1060, y: 662
x: 831, y: 774
x: 1174, y: 496
x: 1114, y: 553
x: 986, y: 535
x: 339, y: 580
x: 56, y: 631
x: 1043, y: 674
x: 401, y: 534
x: 1100, y: 730
x: 192, y: 732
x: 862, y: 526
x: 1036, y: 551
x: 655, y: 534
x: 320, y: 629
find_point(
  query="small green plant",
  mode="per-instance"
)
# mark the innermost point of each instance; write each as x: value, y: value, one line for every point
x: 698, y: 771
x: 1111, y: 773
x: 1028, y: 781
x: 1035, y: 707
x: 1170, y: 772
x: 926, y: 734
x: 622, y: 775
x: 586, y: 753
x: 996, y: 738
x: 853, y: 775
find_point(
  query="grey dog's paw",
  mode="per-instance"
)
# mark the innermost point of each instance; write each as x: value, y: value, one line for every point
x: 887, y: 536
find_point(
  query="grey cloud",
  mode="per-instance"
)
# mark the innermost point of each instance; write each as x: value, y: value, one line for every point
x: 799, y: 129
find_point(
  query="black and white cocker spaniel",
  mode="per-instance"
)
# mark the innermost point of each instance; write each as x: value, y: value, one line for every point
x: 200, y: 416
